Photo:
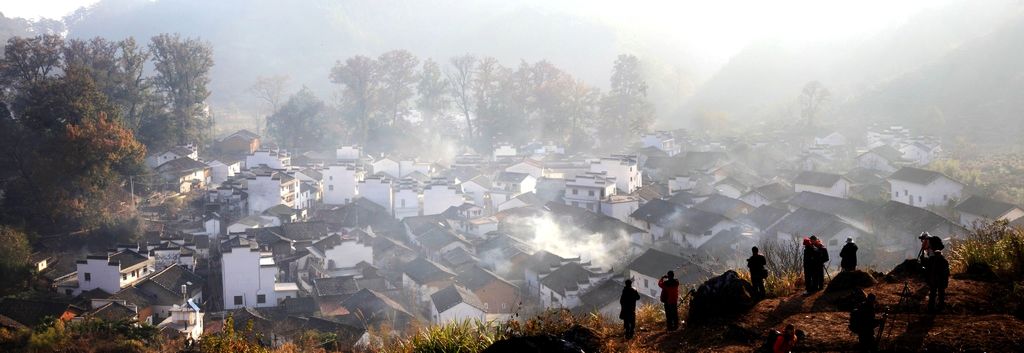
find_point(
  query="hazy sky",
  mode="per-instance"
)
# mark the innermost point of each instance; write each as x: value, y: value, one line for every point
x: 714, y: 29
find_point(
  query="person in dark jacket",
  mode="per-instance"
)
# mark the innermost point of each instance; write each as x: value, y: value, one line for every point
x: 937, y: 278
x: 756, y: 264
x: 849, y: 256
x: 670, y: 297
x: 810, y: 262
x: 628, y: 303
x: 863, y: 323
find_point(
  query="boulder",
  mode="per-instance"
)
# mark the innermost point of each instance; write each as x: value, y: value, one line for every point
x: 721, y: 298
x: 847, y: 280
x: 909, y: 269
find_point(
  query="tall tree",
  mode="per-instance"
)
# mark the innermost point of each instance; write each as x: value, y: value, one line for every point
x: 488, y: 79
x: 397, y: 76
x: 183, y: 67
x: 29, y: 60
x: 813, y: 99
x: 460, y: 76
x: 433, y: 93
x: 14, y: 257
x: 300, y: 122
x: 359, y: 96
x: 116, y: 68
x: 583, y: 110
x: 270, y: 90
x: 625, y: 108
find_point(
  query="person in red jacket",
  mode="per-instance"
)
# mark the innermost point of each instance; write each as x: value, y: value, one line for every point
x: 786, y: 341
x: 670, y: 297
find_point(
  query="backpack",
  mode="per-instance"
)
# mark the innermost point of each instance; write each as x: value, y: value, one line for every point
x: 935, y: 243
x: 822, y: 254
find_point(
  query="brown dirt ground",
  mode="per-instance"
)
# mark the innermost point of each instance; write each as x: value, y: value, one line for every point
x: 975, y: 321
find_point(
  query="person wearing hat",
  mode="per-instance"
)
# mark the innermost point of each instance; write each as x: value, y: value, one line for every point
x: 628, y: 313
x: 848, y: 255
x: 863, y: 323
x: 926, y: 250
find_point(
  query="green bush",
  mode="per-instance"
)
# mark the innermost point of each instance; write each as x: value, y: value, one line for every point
x: 995, y: 245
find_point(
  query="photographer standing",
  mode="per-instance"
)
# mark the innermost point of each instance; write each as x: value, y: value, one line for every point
x: 670, y: 297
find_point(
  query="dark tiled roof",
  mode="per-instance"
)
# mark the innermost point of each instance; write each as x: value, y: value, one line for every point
x: 764, y: 216
x: 656, y: 211
x: 906, y: 218
x: 127, y: 258
x: 984, y: 207
x: 846, y: 208
x: 775, y: 191
x: 476, y: 277
x: 886, y: 152
x: 725, y: 206
x: 568, y: 277
x: 304, y: 230
x: 135, y: 296
x: 510, y: 177
x: 372, y: 307
x: 805, y: 222
x: 422, y: 270
x: 655, y: 263
x: 819, y: 179
x: 603, y: 294
x: 174, y: 276
x: 113, y: 311
x: 915, y: 175
x: 452, y: 295
x: 344, y: 285
x: 181, y: 165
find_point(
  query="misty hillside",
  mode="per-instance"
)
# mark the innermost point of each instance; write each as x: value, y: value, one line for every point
x: 304, y: 39
x: 977, y: 89
x: 764, y: 80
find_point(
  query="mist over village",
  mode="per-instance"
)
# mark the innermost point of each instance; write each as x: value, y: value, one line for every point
x: 531, y: 176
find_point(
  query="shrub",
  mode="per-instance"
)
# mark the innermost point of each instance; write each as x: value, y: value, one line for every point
x: 995, y: 245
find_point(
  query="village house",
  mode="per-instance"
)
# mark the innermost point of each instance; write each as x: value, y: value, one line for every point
x: 500, y: 297
x: 376, y: 189
x: 897, y: 227
x: 478, y: 188
x: 529, y: 166
x: 239, y: 143
x: 109, y: 272
x: 619, y: 206
x: 976, y: 210
x: 158, y: 159
x: 27, y: 313
x: 267, y: 189
x: 249, y: 277
x: 406, y: 199
x: 625, y: 170
x: 455, y: 303
x: 422, y: 277
x: 919, y: 154
x: 348, y: 153
x: 439, y: 196
x: 223, y: 169
x: 923, y: 188
x: 386, y: 166
x: 337, y: 253
x: 883, y: 158
x: 822, y: 183
x: 503, y: 151
x: 587, y: 190
x: 341, y: 182
x: 767, y: 194
x: 562, y: 287
x: 185, y: 174
x: 539, y: 265
x: 273, y: 159
x: 661, y: 140
x: 803, y: 223
x: 507, y: 185
x: 251, y: 222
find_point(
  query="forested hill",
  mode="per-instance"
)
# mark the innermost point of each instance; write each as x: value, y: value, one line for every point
x: 960, y: 63
x: 304, y: 39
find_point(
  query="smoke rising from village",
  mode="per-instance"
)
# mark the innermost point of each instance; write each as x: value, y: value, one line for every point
x: 564, y: 239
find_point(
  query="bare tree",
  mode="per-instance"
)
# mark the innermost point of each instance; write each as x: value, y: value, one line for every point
x: 460, y: 78
x: 269, y: 89
x: 783, y: 256
x: 812, y: 99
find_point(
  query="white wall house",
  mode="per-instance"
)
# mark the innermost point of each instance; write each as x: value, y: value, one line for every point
x: 406, y: 200
x: 680, y: 183
x: 222, y: 171
x: 377, y: 190
x: 923, y: 188
x: 348, y: 153
x: 386, y: 165
x: 158, y: 159
x: 624, y: 169
x: 334, y: 253
x: 919, y: 154
x: 513, y: 184
x: 249, y: 277
x: 113, y: 271
x: 505, y: 151
x: 272, y: 159
x: 252, y: 221
x: 340, y: 183
x: 976, y: 210
x: 478, y: 188
x: 882, y: 158
x: 620, y: 206
x: 822, y: 183
x: 662, y: 140
x: 527, y: 166
x: 587, y: 190
x: 833, y: 139
x: 439, y: 197
x: 456, y: 304
x: 267, y: 190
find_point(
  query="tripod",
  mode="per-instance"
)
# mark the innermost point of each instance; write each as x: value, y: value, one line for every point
x: 904, y: 305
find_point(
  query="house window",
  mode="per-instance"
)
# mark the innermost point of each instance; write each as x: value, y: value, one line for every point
x: 238, y: 300
x: 575, y: 204
x: 88, y: 277
x: 68, y: 291
x: 124, y: 277
x: 918, y: 198
x: 575, y: 191
x: 707, y: 232
x: 646, y: 283
x: 403, y: 202
x: 261, y: 298
x: 504, y: 306
x: 330, y: 177
x: 945, y: 197
x: 590, y: 193
x: 330, y: 187
x: 896, y: 194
